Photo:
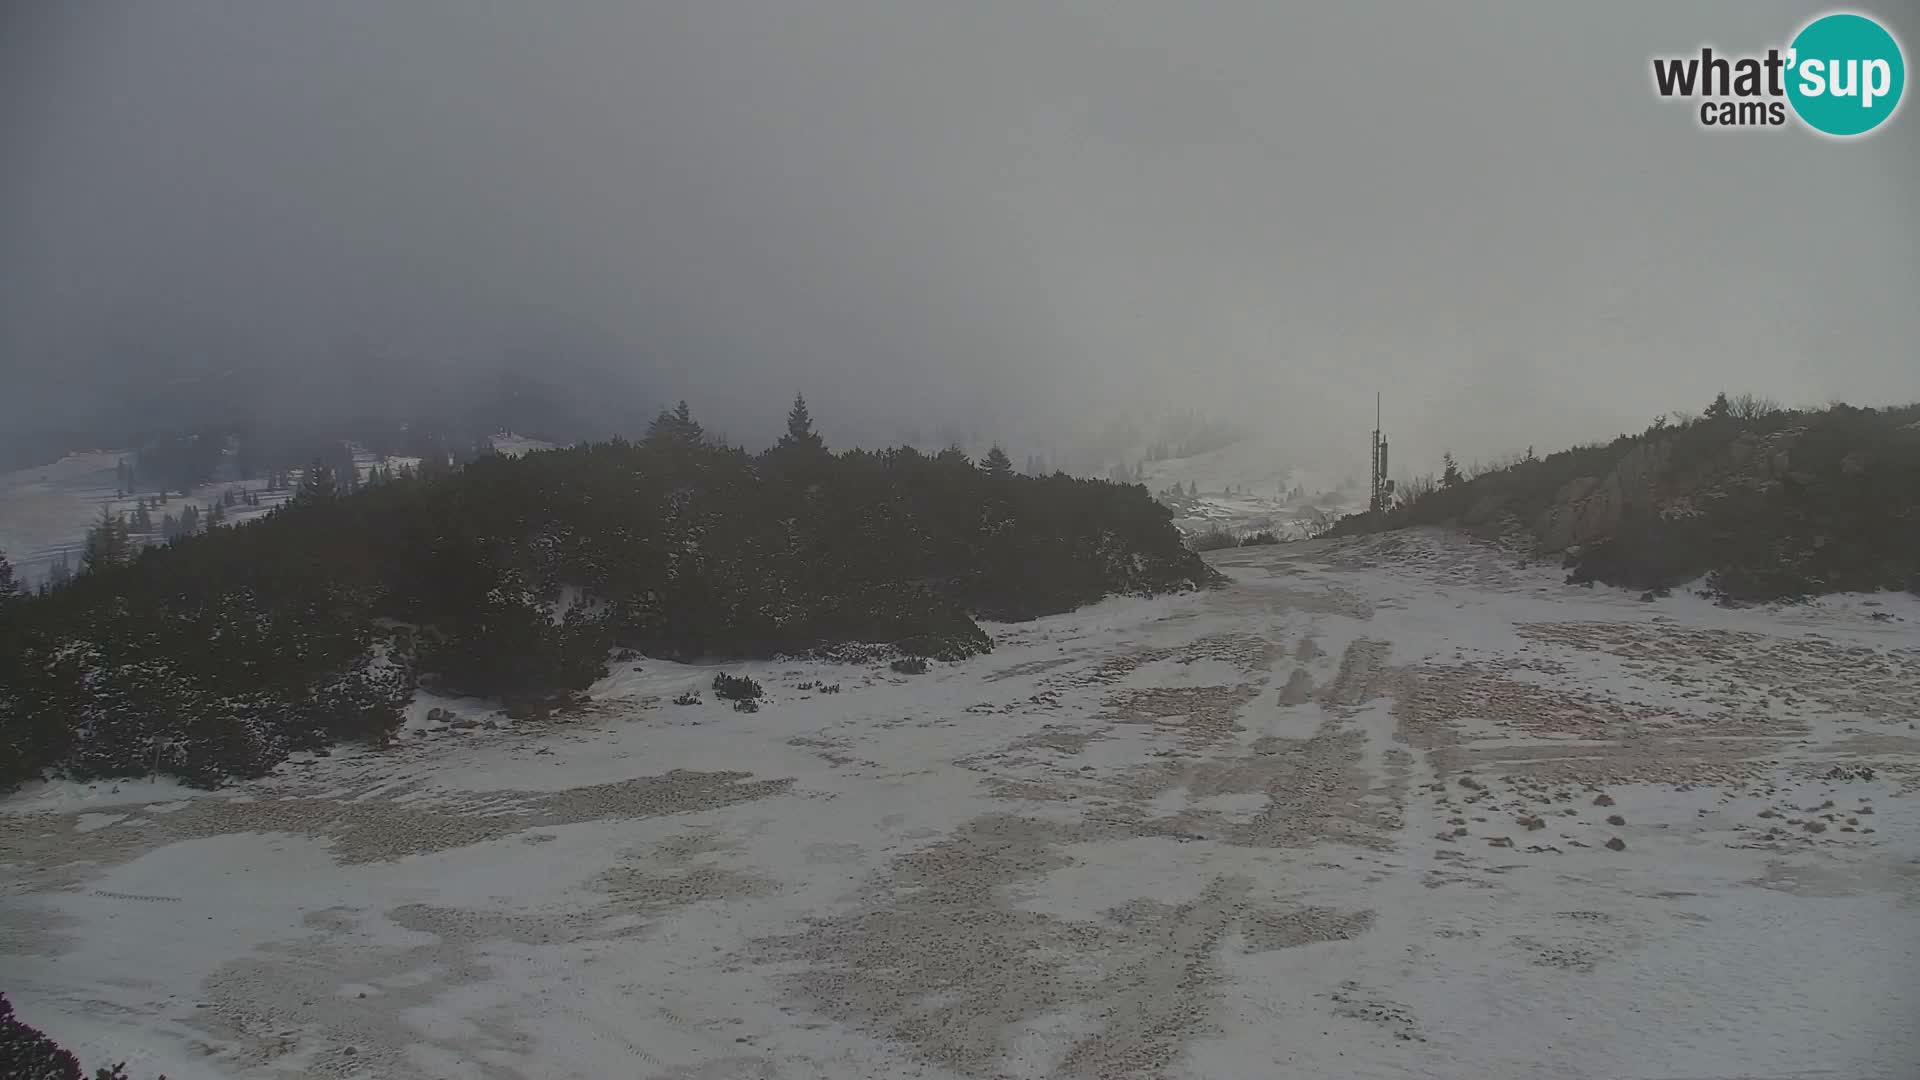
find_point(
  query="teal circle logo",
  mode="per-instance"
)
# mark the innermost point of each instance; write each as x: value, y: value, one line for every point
x: 1845, y: 74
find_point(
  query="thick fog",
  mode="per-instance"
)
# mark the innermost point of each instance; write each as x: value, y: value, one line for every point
x: 990, y: 218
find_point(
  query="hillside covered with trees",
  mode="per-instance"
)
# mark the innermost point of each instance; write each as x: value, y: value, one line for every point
x: 1761, y: 502
x: 220, y: 652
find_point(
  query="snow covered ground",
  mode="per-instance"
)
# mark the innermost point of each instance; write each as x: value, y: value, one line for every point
x: 1242, y: 514
x: 514, y: 445
x: 47, y: 509
x: 1259, y: 467
x: 1247, y: 486
x: 1352, y: 816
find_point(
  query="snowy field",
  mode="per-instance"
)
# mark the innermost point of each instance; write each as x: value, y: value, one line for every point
x: 46, y: 510
x: 1388, y: 807
x: 1264, y: 491
x: 1244, y: 514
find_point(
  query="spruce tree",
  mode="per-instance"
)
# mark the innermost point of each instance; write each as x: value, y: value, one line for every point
x: 676, y: 429
x: 318, y: 483
x: 800, y: 436
x: 9, y: 588
x: 1449, y: 470
x: 61, y: 571
x: 997, y: 464
x: 107, y: 543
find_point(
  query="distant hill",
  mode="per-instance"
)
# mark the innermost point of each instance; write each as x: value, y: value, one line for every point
x: 1763, y: 503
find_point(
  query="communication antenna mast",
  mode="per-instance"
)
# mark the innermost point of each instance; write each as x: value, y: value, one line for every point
x: 1381, y: 488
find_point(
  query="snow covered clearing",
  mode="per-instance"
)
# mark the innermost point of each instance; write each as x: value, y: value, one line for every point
x: 512, y: 445
x: 46, y: 510
x: 1265, y: 494
x: 1395, y: 806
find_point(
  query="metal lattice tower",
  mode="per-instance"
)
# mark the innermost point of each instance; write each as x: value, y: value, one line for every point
x: 1380, y: 489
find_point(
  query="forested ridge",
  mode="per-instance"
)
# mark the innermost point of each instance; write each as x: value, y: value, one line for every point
x: 219, y: 653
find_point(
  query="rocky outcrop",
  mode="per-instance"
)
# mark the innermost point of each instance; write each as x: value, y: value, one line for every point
x: 1644, y: 478
x: 1589, y: 507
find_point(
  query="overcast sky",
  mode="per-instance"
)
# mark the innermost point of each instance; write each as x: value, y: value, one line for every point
x: 1000, y: 214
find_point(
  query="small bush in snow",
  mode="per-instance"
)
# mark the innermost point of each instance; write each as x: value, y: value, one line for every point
x: 1212, y: 540
x: 690, y: 697
x: 910, y: 665
x: 736, y: 687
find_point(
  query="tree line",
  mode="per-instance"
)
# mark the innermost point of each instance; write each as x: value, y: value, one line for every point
x: 220, y: 652
x: 1838, y: 509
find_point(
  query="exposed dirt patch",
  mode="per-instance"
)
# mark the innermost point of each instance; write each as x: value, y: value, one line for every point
x: 937, y: 957
x: 670, y: 875
x: 1733, y: 668
x: 1299, y: 688
x: 1031, y: 667
x: 1203, y: 715
x: 1303, y: 926
x: 1466, y: 717
x: 1316, y: 790
x: 1251, y: 653
x: 369, y: 828
x: 1116, y: 668
x: 1362, y: 667
x: 1446, y: 559
x: 1060, y: 740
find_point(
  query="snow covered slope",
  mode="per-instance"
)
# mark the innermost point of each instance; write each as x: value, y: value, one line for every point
x: 1251, y: 485
x: 514, y: 445
x: 46, y: 510
x: 1353, y: 815
x: 1253, y: 467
